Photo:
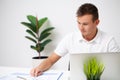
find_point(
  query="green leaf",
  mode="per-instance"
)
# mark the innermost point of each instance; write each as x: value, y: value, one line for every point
x: 43, y: 36
x: 45, y: 42
x: 93, y: 68
x: 47, y: 30
x: 31, y: 39
x: 32, y: 19
x: 31, y: 33
x: 42, y: 21
x: 30, y: 26
x: 41, y: 49
x: 33, y: 47
x: 38, y: 47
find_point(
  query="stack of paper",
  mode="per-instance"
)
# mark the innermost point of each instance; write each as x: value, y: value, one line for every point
x: 49, y: 75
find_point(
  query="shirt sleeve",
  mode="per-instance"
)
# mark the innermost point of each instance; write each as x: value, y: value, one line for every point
x: 113, y: 46
x: 62, y: 48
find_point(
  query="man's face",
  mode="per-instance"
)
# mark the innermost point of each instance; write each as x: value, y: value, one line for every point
x: 86, y: 25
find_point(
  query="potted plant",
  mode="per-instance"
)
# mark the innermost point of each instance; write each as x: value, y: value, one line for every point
x: 93, y: 69
x: 37, y: 35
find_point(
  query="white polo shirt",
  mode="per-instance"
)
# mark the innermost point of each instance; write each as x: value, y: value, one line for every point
x: 75, y: 43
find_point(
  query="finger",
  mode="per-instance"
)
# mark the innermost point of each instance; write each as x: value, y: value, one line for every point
x: 38, y: 73
x: 32, y: 72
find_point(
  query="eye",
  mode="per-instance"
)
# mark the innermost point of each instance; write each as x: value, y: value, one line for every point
x: 78, y: 22
x: 85, y: 24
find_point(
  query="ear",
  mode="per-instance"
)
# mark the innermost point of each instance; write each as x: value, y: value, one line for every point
x: 97, y: 21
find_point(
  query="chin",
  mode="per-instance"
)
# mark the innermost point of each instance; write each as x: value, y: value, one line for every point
x: 84, y: 33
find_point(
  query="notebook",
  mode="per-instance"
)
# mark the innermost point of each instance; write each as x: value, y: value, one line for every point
x: 48, y: 75
x: 111, y: 63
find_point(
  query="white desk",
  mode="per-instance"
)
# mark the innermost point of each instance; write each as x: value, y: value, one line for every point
x: 8, y: 70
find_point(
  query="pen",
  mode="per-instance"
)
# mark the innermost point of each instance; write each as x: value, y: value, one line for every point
x: 21, y: 78
x: 34, y: 78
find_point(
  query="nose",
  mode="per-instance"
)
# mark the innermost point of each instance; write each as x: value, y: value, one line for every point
x: 81, y: 27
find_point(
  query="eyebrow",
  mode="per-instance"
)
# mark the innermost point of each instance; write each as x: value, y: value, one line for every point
x: 83, y: 22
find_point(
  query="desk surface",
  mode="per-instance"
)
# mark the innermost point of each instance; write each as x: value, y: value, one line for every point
x: 8, y: 70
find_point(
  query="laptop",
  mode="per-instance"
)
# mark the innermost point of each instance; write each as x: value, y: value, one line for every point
x: 110, y: 60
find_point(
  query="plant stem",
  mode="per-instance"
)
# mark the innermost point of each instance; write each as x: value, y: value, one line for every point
x: 39, y: 55
x: 37, y: 27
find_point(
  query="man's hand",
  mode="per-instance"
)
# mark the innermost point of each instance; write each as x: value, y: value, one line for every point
x: 36, y: 72
x: 45, y: 65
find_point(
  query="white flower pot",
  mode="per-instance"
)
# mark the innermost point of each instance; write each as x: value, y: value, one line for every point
x: 37, y: 60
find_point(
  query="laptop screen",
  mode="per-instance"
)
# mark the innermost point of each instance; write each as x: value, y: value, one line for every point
x: 111, y: 62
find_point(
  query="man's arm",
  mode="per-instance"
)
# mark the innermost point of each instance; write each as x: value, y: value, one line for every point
x: 45, y: 65
x: 113, y: 46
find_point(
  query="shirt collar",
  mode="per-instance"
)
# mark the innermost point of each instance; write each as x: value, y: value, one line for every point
x: 96, y: 39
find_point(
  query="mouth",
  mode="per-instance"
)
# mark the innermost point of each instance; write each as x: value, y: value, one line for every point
x: 83, y: 31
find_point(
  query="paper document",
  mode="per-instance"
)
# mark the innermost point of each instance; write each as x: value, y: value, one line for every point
x: 49, y: 75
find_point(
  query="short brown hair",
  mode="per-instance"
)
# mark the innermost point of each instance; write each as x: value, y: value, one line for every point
x: 88, y: 8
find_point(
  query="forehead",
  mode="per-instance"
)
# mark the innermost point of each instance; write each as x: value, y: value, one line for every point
x: 85, y: 18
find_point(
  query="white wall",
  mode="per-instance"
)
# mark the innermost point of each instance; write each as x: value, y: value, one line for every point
x: 14, y: 47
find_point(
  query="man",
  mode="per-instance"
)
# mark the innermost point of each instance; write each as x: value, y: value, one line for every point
x: 88, y: 39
